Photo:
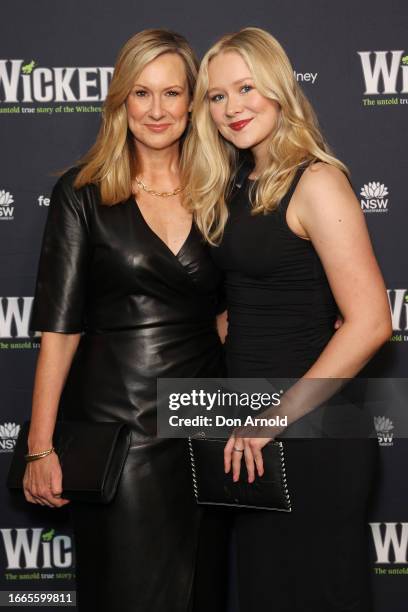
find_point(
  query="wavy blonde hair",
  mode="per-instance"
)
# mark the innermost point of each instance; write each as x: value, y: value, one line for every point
x: 111, y: 162
x: 209, y: 162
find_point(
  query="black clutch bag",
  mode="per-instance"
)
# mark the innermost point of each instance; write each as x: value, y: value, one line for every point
x: 91, y: 454
x: 212, y: 486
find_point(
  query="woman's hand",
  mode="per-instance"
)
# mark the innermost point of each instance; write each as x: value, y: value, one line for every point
x: 42, y: 482
x: 222, y: 325
x: 249, y: 448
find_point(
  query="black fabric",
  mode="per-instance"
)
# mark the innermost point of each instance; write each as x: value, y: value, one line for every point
x: 315, y: 558
x: 281, y: 310
x: 281, y: 315
x: 144, y: 313
x: 212, y: 577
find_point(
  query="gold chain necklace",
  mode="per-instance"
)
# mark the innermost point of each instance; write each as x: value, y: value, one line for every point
x: 161, y: 194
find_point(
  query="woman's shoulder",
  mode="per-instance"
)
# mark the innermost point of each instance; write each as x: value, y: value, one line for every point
x: 324, y: 196
x: 66, y: 181
x: 78, y: 197
x: 320, y: 176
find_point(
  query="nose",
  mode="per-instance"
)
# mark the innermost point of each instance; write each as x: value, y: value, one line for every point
x: 156, y: 110
x: 234, y: 106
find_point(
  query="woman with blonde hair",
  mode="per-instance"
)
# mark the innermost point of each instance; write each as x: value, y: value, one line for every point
x: 288, y: 233
x: 126, y: 293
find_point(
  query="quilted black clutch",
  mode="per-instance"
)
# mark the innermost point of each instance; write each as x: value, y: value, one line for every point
x: 91, y: 454
x: 212, y: 486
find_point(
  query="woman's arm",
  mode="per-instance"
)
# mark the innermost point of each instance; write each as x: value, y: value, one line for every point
x: 54, y: 360
x: 43, y: 478
x: 59, y: 307
x: 331, y: 217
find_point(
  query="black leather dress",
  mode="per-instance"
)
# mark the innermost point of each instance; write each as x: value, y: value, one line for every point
x: 144, y: 313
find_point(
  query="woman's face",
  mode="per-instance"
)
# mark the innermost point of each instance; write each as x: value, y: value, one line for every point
x: 158, y: 104
x: 242, y: 115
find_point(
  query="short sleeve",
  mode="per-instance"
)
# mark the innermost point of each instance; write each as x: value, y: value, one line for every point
x: 59, y: 300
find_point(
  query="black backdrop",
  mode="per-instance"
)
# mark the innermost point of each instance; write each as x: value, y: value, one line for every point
x: 352, y: 61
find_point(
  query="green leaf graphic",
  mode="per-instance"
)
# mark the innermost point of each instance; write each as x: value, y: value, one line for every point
x: 28, y: 68
x: 48, y: 535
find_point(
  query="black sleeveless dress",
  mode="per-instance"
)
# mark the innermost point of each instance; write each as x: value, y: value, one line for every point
x: 143, y: 313
x: 281, y: 314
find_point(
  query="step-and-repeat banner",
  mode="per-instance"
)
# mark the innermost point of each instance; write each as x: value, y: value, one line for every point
x: 351, y: 58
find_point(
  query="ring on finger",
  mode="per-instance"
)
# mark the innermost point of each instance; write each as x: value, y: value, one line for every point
x: 238, y: 450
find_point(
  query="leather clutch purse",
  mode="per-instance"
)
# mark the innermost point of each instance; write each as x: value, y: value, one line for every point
x: 91, y: 454
x: 212, y: 486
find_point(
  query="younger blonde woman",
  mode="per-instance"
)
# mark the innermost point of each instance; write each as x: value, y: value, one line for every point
x: 291, y: 240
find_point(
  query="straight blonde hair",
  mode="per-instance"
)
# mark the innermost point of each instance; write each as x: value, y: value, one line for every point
x: 111, y: 162
x: 209, y: 162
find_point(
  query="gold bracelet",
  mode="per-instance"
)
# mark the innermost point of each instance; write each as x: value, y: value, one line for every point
x: 34, y: 456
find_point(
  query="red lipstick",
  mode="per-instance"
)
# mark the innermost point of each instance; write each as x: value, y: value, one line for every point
x: 238, y: 125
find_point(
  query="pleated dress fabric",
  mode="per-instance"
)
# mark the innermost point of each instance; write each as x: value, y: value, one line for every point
x: 281, y: 314
x: 143, y: 313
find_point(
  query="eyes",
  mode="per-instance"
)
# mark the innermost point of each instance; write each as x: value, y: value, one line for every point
x: 142, y: 93
x: 243, y: 90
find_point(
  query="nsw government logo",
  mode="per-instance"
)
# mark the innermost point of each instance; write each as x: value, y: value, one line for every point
x: 373, y: 198
x: 385, y: 75
x: 6, y: 208
x: 8, y: 436
x: 383, y: 427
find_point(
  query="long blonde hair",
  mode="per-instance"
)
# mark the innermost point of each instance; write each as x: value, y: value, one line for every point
x: 111, y: 163
x: 209, y: 162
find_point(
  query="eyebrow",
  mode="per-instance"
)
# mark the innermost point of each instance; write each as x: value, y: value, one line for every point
x: 234, y: 83
x: 168, y: 87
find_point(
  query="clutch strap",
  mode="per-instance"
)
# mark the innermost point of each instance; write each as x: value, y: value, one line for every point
x: 193, y: 469
x: 284, y: 480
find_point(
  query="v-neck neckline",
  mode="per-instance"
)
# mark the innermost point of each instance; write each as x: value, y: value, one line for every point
x: 157, y: 237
